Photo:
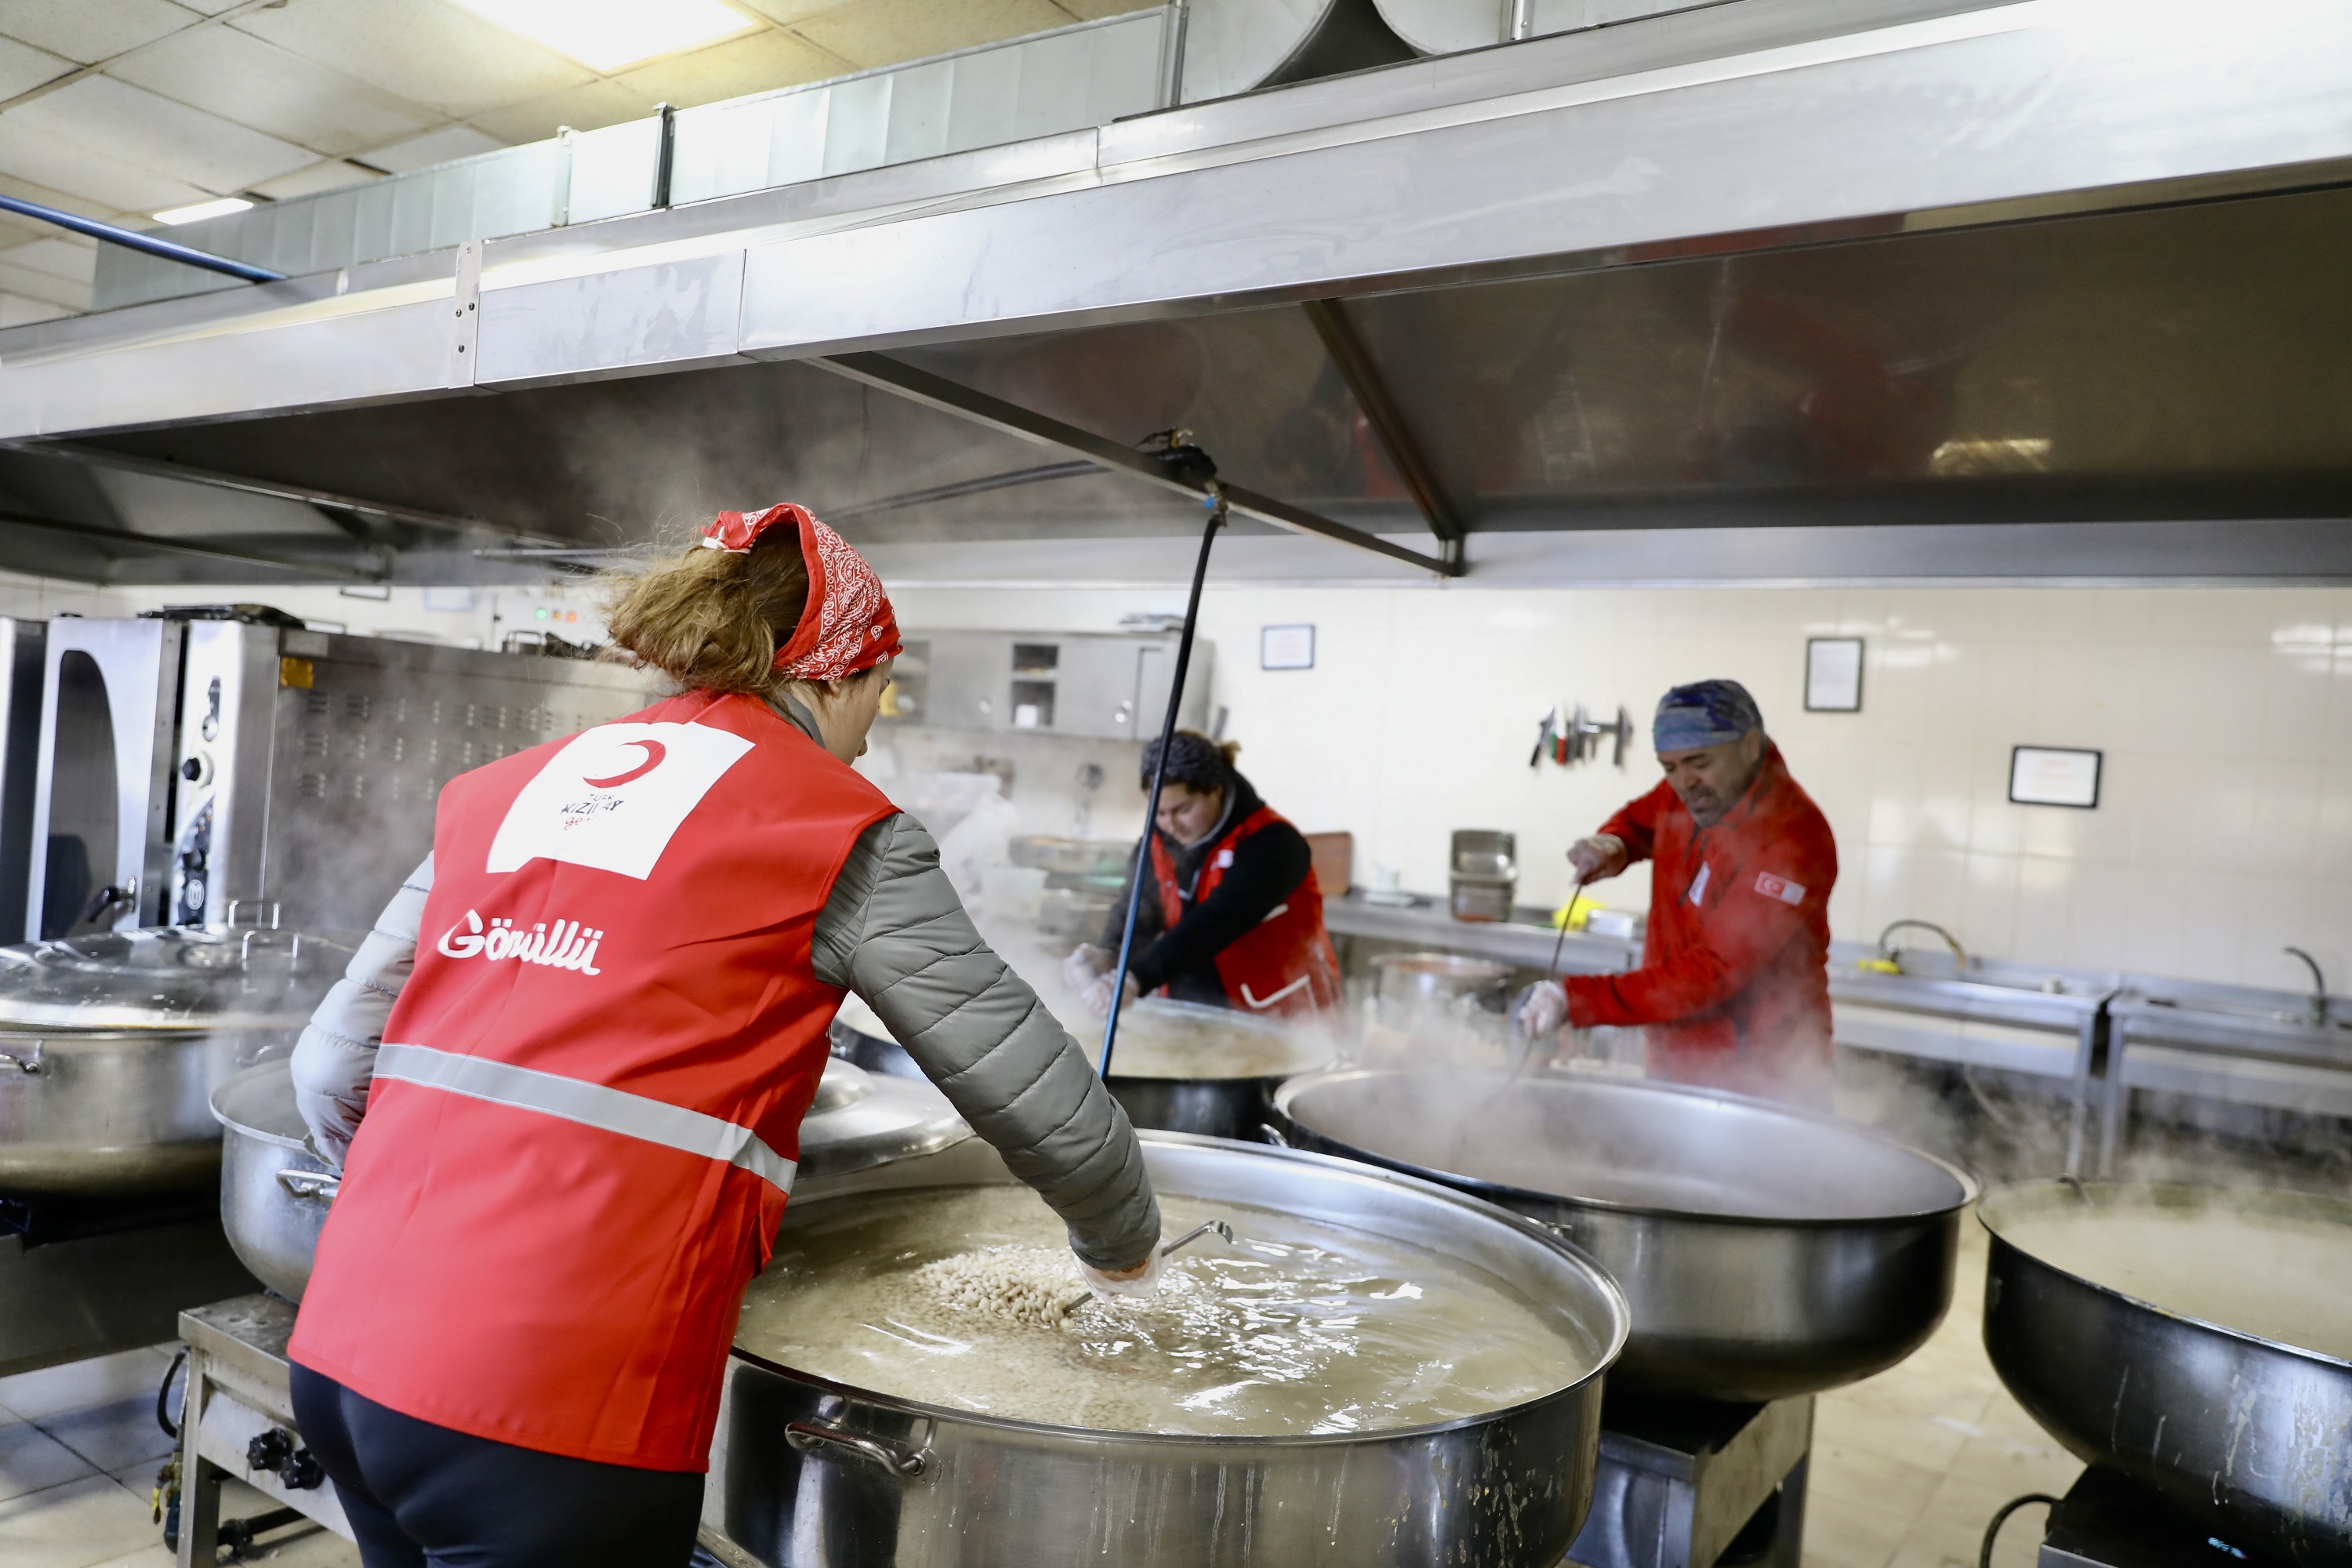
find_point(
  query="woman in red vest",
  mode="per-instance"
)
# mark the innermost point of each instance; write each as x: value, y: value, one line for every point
x: 564, y: 1077
x: 1232, y: 916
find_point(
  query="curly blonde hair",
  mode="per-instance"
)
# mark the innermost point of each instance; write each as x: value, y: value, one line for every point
x: 712, y: 620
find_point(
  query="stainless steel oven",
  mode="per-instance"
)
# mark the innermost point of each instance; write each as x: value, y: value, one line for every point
x: 216, y: 766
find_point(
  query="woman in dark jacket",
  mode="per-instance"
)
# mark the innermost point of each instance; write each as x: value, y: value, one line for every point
x: 1232, y: 915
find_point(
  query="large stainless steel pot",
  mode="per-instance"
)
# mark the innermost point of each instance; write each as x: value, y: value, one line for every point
x: 2251, y: 1436
x: 1222, y: 1092
x: 110, y: 1045
x: 824, y: 1475
x: 1766, y: 1251
x: 275, y: 1192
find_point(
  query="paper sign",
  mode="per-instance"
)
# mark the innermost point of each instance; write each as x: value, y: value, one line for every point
x: 2053, y: 775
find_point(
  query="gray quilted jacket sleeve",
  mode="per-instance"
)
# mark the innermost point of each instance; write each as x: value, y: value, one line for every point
x: 335, y: 1057
x: 894, y: 933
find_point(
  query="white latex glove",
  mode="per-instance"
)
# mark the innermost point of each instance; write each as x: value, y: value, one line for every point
x: 1541, y: 1009
x: 1599, y: 857
x: 1086, y: 961
x: 1097, y: 996
x: 1139, y: 1283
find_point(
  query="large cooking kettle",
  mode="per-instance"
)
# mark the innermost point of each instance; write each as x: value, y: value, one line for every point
x: 110, y: 1045
x: 275, y: 1192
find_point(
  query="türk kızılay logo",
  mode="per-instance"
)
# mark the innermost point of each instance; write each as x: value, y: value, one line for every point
x: 614, y: 795
x: 565, y: 945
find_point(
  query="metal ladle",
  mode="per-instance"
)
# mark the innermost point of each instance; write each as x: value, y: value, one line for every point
x: 1189, y: 1237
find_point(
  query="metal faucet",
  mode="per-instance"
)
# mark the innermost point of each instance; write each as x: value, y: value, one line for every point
x: 2319, y: 986
x: 1959, y: 953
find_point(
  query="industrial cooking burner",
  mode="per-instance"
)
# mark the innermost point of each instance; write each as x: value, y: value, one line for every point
x: 1693, y: 1483
x: 2105, y: 1521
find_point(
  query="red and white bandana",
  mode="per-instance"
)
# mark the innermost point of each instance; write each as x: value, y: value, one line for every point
x: 848, y: 625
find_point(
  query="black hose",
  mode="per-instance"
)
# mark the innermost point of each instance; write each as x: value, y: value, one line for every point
x: 164, y: 1399
x: 1993, y: 1531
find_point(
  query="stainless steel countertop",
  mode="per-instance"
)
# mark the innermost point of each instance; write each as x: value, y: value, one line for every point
x: 2248, y: 1045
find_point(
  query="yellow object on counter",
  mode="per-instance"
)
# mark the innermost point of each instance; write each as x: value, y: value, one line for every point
x: 1573, y: 913
x: 1878, y: 965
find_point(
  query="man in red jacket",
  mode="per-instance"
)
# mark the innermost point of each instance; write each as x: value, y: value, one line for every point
x: 1734, y: 982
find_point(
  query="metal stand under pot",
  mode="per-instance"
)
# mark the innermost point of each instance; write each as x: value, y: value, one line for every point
x: 1691, y: 1483
x: 2106, y: 1521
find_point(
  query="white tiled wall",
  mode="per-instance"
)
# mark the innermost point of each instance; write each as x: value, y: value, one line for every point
x: 2224, y: 831
x: 2224, y: 834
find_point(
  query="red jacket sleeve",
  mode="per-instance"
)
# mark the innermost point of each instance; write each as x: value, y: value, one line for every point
x: 1636, y: 822
x: 1741, y: 937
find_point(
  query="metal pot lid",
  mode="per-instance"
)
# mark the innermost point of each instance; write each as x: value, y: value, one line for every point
x: 169, y: 977
x: 860, y: 1119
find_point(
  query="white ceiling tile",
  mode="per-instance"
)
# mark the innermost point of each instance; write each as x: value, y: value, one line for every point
x: 444, y: 145
x: 18, y: 312
x: 137, y: 127
x: 91, y: 30
x: 64, y: 256
x: 588, y: 108
x: 38, y: 151
x: 34, y: 284
x: 23, y: 68
x: 240, y: 78
x: 884, y: 31
x: 759, y: 63
x: 422, y: 50
x: 333, y: 174
x: 33, y: 190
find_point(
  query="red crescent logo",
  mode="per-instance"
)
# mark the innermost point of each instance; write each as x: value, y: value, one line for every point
x: 655, y: 752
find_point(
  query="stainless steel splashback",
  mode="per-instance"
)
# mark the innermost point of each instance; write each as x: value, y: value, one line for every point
x: 224, y: 772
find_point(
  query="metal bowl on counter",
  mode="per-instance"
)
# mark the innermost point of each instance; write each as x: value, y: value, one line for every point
x: 1766, y: 1251
x: 275, y: 1192
x: 820, y: 1474
x: 2243, y: 1431
x: 110, y: 1045
x: 1407, y: 984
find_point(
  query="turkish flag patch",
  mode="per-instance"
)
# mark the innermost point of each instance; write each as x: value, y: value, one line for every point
x: 1779, y: 887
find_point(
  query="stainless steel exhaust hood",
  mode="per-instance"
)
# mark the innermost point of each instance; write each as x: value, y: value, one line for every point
x: 2042, y: 289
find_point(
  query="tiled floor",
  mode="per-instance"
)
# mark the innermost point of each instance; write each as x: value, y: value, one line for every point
x: 79, y: 1452
x: 1909, y: 1466
x: 1906, y: 1467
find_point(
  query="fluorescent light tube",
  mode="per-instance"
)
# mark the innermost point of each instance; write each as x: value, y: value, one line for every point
x: 202, y: 210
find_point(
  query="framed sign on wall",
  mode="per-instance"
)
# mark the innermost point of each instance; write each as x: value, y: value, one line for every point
x: 1833, y: 675
x: 2054, y: 776
x: 1286, y: 647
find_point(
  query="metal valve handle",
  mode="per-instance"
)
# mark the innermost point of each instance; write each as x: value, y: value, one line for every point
x: 905, y: 1464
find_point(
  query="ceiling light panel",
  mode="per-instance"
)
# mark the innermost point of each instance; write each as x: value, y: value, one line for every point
x: 198, y: 211
x: 609, y: 35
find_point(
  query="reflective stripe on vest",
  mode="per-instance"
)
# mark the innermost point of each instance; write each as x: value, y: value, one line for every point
x: 590, y: 1104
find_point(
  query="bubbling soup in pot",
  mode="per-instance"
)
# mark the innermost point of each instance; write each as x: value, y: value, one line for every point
x: 955, y: 1297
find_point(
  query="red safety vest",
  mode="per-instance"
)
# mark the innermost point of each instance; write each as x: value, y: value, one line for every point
x: 1283, y: 965
x: 586, y: 1109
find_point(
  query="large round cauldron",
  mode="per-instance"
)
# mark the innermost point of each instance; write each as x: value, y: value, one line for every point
x: 111, y: 1043
x: 2250, y: 1434
x: 825, y: 1475
x: 1766, y: 1251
